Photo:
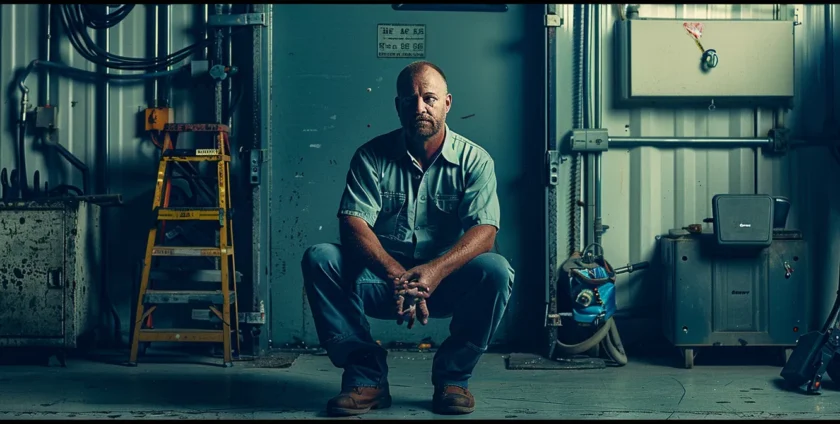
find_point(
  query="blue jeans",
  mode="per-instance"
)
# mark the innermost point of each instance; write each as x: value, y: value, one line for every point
x: 341, y: 293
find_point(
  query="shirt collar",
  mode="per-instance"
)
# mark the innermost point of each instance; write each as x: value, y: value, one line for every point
x: 447, y: 148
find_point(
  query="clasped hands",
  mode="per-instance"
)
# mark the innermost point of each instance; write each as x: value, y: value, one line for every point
x: 411, y: 289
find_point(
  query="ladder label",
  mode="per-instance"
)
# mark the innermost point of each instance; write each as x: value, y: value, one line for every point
x: 189, y: 214
x: 206, y: 152
x: 175, y: 251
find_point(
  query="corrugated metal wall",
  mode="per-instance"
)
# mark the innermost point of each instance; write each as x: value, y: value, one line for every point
x: 647, y: 191
x: 131, y: 158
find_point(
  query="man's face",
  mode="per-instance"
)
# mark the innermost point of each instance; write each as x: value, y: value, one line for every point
x: 423, y: 103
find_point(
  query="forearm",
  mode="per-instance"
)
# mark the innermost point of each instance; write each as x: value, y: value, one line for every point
x: 361, y: 242
x: 475, y: 241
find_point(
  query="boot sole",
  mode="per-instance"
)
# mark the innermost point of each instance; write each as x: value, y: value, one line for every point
x: 346, y: 412
x: 454, y: 410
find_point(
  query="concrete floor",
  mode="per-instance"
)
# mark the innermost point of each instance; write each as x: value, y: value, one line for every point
x: 171, y: 386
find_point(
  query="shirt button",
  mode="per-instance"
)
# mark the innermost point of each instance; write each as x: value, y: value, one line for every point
x: 416, y: 177
x: 422, y: 197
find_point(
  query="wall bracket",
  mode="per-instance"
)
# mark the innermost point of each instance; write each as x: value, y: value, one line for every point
x: 553, y: 166
x: 589, y: 140
x: 244, y: 19
x: 553, y: 20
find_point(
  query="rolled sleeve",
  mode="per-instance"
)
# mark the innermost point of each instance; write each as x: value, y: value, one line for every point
x: 480, y: 204
x: 361, y: 194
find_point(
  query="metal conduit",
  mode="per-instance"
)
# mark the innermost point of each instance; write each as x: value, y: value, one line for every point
x: 692, y: 142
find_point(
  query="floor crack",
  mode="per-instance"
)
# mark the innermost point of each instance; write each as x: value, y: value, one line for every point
x: 683, y: 394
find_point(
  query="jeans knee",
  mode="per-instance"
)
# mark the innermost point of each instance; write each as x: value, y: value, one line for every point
x: 319, y: 258
x: 497, y: 272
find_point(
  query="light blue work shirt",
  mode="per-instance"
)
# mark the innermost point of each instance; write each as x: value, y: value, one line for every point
x: 420, y: 214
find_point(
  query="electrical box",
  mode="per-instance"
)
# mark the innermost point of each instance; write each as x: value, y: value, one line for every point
x: 157, y: 117
x: 46, y: 117
x: 714, y: 298
x: 49, y: 273
x: 705, y: 62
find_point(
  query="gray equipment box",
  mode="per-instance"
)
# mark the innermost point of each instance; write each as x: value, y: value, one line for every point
x: 49, y: 273
x: 734, y: 299
x: 743, y: 220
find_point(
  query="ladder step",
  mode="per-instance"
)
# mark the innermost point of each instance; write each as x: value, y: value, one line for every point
x: 197, y: 275
x: 187, y: 296
x: 189, y: 251
x: 213, y: 158
x: 192, y: 214
x: 180, y: 335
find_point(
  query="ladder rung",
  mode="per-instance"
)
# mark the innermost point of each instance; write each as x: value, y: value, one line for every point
x: 192, y: 214
x: 180, y: 335
x: 186, y: 296
x: 188, y: 251
x: 197, y: 275
x: 214, y: 158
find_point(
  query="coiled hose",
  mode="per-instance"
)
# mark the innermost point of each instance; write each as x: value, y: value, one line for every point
x: 607, y: 337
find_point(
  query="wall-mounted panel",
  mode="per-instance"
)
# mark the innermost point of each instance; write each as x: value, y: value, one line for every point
x: 700, y: 60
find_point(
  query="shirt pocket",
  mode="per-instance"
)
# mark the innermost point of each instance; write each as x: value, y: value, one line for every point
x: 388, y: 221
x: 447, y: 203
x: 392, y: 202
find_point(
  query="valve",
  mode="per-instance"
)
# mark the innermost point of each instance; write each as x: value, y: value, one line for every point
x: 220, y: 72
x: 584, y: 298
x: 710, y: 59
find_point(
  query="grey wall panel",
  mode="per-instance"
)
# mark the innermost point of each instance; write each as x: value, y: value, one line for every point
x: 332, y: 94
x: 813, y: 172
x: 132, y: 162
x: 648, y: 190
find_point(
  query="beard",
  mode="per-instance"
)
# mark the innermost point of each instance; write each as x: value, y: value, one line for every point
x: 425, y: 127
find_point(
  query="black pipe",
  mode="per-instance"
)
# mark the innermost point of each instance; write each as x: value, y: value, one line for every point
x: 78, y: 164
x: 829, y: 66
x: 218, y: 60
x: 48, y: 45
x: 164, y: 94
x: 227, y: 59
x: 23, y: 189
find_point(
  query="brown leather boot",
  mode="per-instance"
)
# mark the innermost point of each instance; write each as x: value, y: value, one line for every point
x: 451, y: 400
x: 359, y: 400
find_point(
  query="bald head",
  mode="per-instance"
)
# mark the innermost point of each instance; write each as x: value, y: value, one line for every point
x: 407, y: 75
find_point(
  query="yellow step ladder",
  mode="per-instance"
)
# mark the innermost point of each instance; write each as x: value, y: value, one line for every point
x: 225, y: 295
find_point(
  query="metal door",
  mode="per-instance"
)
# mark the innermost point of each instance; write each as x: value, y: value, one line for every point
x: 32, y: 273
x: 331, y: 93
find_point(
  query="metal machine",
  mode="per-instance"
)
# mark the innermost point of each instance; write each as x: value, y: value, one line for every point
x: 49, y: 274
x: 721, y: 290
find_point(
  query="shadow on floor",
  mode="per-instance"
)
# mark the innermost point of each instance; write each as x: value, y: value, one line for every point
x: 716, y: 356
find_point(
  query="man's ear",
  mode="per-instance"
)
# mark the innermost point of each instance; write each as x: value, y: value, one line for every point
x: 397, y: 104
x: 448, y: 102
